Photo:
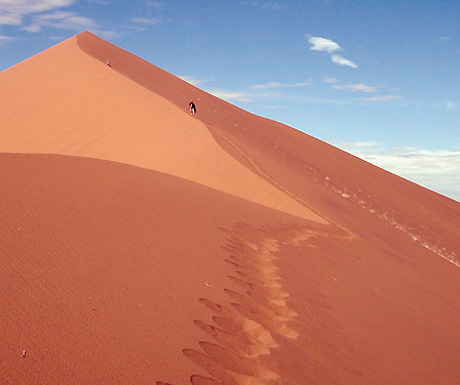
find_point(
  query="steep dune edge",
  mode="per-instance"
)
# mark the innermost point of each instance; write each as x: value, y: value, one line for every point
x: 71, y: 104
x: 343, y: 188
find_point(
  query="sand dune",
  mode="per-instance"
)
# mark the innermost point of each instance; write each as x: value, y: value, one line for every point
x: 93, y: 111
x: 141, y: 245
x: 312, y: 171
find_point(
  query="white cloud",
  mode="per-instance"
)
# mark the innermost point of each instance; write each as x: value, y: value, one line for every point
x: 275, y: 107
x: 23, y: 7
x: 4, y: 40
x: 267, y: 5
x: 33, y: 15
x: 342, y: 61
x: 361, y: 87
x: 382, y: 98
x: 8, y: 18
x: 193, y: 81
x: 147, y: 20
x: 231, y: 95
x: 269, y: 85
x: 60, y: 20
x: 273, y: 6
x: 362, y: 144
x: 437, y: 170
x: 322, y: 44
x: 329, y: 46
x: 330, y: 79
x: 154, y: 4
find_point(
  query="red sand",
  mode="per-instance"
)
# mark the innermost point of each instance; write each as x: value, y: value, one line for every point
x: 141, y: 245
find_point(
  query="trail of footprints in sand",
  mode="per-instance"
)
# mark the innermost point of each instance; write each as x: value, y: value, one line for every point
x: 242, y: 333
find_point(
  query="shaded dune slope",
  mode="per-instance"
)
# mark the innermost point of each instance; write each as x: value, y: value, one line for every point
x: 343, y: 188
x: 141, y: 245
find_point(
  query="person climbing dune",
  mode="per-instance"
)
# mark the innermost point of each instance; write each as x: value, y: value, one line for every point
x: 192, y: 107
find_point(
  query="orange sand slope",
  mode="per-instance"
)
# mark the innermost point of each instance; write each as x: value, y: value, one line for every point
x: 141, y: 245
x: 87, y: 109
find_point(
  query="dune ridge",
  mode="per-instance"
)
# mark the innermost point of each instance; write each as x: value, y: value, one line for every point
x: 162, y: 136
x: 305, y: 166
x: 142, y: 245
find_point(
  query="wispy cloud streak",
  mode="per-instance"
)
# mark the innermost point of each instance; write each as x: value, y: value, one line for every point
x: 60, y: 20
x: 34, y: 15
x: 13, y: 12
x: 342, y: 61
x: 232, y: 95
x: 382, y: 98
x: 437, y: 170
x: 360, y: 87
x: 193, y: 81
x: 24, y: 7
x: 274, y: 6
x: 269, y: 85
x: 147, y: 20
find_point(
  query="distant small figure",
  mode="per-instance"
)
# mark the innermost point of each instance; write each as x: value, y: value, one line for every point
x: 192, y: 107
x: 23, y: 354
x: 108, y: 63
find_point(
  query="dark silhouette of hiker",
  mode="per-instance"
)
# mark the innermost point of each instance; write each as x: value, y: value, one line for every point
x: 192, y: 107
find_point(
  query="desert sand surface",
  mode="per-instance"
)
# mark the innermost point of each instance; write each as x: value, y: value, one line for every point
x: 142, y: 245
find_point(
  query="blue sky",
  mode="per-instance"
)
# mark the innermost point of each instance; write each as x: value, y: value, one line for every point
x: 378, y: 78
